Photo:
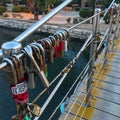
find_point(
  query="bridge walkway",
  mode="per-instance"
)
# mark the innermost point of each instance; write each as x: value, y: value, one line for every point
x: 104, y: 103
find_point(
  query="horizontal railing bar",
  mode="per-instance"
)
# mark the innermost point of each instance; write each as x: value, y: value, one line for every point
x: 35, y: 26
x: 39, y: 23
x: 4, y: 64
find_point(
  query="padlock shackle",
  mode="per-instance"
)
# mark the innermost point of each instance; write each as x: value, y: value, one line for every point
x: 9, y: 62
x: 40, y: 73
x: 53, y: 40
x: 41, y: 50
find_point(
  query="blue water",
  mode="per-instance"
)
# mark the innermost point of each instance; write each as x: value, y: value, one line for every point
x: 7, y: 105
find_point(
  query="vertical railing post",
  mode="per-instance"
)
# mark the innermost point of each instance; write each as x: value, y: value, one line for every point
x: 119, y: 16
x: 92, y: 54
x: 108, y: 39
x: 116, y: 30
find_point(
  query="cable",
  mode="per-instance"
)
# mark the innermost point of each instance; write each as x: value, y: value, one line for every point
x: 70, y: 89
x: 71, y: 62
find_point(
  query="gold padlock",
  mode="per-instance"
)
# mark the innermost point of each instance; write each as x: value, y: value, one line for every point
x: 34, y: 109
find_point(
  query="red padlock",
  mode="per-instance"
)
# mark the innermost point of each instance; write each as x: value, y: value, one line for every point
x: 56, y: 54
x: 19, y: 92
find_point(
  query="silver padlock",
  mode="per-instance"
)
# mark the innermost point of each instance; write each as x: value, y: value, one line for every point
x: 37, y: 69
x: 8, y: 49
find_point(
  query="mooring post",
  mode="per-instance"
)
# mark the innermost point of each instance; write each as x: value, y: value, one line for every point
x: 92, y: 54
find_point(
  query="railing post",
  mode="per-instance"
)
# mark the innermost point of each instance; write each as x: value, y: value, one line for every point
x: 108, y: 39
x: 92, y: 54
x: 116, y: 30
x: 119, y: 16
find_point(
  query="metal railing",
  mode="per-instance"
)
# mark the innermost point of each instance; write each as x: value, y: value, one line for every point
x: 93, y: 40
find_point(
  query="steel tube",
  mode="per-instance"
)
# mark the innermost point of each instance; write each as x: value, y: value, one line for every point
x: 35, y: 26
x: 43, y: 20
x: 4, y: 64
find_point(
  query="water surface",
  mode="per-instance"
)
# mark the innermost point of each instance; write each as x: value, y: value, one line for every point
x: 8, y: 107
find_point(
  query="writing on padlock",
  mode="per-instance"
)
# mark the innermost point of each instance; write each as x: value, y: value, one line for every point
x: 34, y: 109
x: 19, y: 92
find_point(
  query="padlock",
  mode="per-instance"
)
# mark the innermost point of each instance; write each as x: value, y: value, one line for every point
x: 26, y: 117
x: 29, y: 71
x: 61, y: 45
x: 16, y: 64
x: 41, y: 42
x: 20, y: 68
x: 37, y: 54
x: 56, y: 54
x: 34, y: 109
x: 59, y: 37
x: 8, y: 49
x: 23, y: 115
x: 19, y: 92
x: 66, y: 38
x: 37, y: 69
x: 9, y: 73
x: 50, y: 49
x: 53, y: 42
x: 42, y: 65
x: 17, y: 117
x: 47, y: 50
x: 30, y: 74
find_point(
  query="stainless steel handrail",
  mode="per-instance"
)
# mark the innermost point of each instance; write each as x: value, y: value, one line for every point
x: 39, y: 23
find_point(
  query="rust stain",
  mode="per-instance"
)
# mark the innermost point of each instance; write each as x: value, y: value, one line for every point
x: 99, y: 74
